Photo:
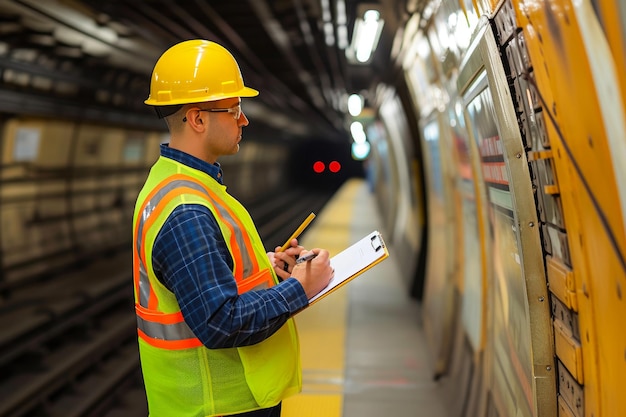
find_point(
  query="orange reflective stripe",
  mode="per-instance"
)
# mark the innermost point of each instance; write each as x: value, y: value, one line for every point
x: 165, y: 330
x: 237, y: 258
x: 136, y: 258
x: 236, y: 253
x: 158, y: 317
x: 260, y: 280
x: 248, y: 286
x: 169, y: 344
x: 153, y: 301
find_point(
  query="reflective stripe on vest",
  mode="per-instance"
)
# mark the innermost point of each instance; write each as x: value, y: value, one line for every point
x: 169, y: 331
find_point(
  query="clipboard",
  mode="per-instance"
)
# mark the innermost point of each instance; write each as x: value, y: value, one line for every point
x: 353, y: 261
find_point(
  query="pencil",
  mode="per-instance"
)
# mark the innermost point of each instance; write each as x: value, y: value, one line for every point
x: 299, y: 230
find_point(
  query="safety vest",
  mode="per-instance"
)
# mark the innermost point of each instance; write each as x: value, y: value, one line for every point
x: 182, y: 377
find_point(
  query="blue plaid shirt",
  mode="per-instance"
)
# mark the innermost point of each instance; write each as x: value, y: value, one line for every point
x: 192, y: 260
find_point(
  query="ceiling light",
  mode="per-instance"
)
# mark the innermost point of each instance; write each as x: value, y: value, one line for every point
x: 358, y: 133
x: 342, y: 29
x: 360, y: 151
x: 367, y: 32
x: 355, y: 104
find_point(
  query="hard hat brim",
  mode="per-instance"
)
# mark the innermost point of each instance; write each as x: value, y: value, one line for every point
x: 244, y: 92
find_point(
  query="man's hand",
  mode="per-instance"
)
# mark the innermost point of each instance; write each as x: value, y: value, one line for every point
x: 314, y: 275
x: 283, y: 262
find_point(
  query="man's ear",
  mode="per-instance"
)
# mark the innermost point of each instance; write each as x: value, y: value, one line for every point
x: 193, y: 117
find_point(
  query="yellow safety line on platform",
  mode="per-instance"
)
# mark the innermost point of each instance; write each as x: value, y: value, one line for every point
x: 322, y: 327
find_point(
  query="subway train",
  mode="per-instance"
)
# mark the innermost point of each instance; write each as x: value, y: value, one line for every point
x: 519, y: 107
x: 497, y: 135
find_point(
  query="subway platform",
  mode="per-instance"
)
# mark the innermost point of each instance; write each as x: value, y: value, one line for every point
x: 363, y: 347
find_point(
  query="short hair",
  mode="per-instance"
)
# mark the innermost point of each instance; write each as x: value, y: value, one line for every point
x: 174, y: 120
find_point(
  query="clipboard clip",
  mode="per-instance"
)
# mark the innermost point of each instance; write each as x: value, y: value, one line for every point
x: 377, y: 242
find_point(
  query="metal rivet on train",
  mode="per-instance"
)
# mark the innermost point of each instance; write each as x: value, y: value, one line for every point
x: 541, y: 299
x: 548, y: 368
x: 518, y: 155
x: 531, y: 224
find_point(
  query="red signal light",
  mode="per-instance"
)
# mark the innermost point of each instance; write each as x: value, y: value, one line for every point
x: 319, y: 167
x: 334, y: 166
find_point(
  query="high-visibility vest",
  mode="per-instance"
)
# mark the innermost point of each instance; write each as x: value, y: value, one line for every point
x: 182, y: 377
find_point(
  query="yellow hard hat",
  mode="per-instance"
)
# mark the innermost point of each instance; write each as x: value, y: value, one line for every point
x: 196, y: 71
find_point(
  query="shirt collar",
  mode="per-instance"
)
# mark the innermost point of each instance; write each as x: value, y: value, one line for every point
x: 214, y: 170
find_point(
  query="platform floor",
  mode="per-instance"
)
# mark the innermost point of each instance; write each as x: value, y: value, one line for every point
x: 363, y: 347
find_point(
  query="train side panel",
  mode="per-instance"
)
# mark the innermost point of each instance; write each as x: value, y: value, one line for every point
x: 539, y: 176
x: 585, y: 130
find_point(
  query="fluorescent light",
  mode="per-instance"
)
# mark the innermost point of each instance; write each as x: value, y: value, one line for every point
x: 360, y: 151
x: 342, y: 34
x: 326, y: 15
x: 342, y: 29
x: 366, y: 34
x: 358, y: 133
x: 329, y: 34
x: 355, y: 104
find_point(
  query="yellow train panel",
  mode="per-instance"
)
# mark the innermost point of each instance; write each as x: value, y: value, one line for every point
x: 568, y: 350
x: 561, y: 281
x: 580, y: 137
x: 564, y: 410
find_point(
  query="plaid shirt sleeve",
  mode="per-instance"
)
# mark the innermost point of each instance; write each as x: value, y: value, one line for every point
x: 191, y: 258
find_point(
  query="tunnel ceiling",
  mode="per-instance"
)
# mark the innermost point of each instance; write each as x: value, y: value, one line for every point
x: 92, y: 59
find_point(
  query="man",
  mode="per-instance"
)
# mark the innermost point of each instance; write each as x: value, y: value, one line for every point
x: 215, y: 330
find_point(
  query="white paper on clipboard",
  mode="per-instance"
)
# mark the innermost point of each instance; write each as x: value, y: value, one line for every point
x: 353, y: 261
